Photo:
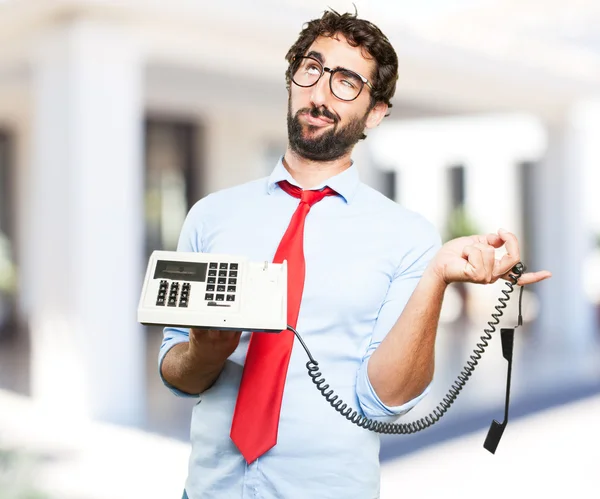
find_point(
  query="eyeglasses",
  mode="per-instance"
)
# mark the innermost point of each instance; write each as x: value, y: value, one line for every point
x: 343, y: 83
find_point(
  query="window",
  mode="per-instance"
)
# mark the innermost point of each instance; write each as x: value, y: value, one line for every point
x: 389, y: 181
x: 172, y: 174
x: 459, y: 221
x: 526, y: 193
x: 8, y: 269
x: 456, y: 181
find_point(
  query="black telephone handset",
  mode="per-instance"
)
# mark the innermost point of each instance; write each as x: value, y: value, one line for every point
x: 496, y: 429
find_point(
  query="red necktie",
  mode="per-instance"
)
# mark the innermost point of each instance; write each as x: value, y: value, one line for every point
x: 256, y: 415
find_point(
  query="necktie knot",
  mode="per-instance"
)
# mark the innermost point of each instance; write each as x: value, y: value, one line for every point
x: 306, y: 196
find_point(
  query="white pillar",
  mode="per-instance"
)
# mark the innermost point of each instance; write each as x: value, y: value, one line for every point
x: 423, y: 188
x: 588, y: 114
x: 85, y: 246
x: 561, y: 240
x: 492, y: 193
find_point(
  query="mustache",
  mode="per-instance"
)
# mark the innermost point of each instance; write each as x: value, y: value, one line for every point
x: 317, y: 112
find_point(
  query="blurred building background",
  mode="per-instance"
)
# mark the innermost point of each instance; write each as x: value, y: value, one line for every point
x: 115, y: 117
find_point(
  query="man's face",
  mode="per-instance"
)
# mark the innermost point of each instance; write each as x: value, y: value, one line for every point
x: 322, y: 127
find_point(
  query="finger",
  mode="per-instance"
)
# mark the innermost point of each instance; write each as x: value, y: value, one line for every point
x: 480, y: 239
x: 488, y: 254
x: 530, y: 277
x: 474, y: 266
x: 200, y: 333
x: 512, y: 256
x: 196, y: 331
x: 214, y: 334
x: 223, y: 334
x: 494, y: 240
x: 500, y: 267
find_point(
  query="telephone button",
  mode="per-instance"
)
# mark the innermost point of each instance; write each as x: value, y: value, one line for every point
x: 230, y: 297
x: 233, y: 273
x: 222, y: 280
x: 221, y: 288
x: 209, y: 296
x: 223, y: 265
x: 220, y: 298
x: 212, y: 273
x: 233, y: 266
x: 210, y: 287
x: 232, y: 281
x: 211, y: 280
x: 213, y: 265
x: 173, y: 292
x: 231, y: 289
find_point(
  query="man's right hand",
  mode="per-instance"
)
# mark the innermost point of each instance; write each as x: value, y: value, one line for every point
x: 193, y: 367
x: 212, y: 347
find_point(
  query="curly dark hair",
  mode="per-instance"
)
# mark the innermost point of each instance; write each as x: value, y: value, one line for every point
x: 358, y: 33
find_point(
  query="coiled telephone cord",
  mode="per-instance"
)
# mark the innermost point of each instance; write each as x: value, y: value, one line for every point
x: 408, y: 428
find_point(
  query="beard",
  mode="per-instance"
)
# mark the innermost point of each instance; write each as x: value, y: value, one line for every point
x: 329, y: 145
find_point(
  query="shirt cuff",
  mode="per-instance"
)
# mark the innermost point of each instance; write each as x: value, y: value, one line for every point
x: 165, y: 347
x: 371, y: 404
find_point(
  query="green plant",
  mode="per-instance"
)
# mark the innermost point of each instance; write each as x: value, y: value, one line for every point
x: 7, y: 268
x: 17, y: 470
x: 460, y: 224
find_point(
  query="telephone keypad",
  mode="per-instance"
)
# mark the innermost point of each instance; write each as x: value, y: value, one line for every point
x: 162, y: 292
x: 221, y: 284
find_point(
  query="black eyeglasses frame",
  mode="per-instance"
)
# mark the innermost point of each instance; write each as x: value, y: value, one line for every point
x: 325, y: 69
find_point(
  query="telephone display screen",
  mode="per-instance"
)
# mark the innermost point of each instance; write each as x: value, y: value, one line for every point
x: 180, y: 271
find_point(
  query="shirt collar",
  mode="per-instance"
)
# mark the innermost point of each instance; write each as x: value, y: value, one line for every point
x: 344, y: 183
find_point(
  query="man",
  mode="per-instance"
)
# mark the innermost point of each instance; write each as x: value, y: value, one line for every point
x: 368, y: 277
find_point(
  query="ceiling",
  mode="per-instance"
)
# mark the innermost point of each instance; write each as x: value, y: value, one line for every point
x: 552, y: 34
x: 469, y: 55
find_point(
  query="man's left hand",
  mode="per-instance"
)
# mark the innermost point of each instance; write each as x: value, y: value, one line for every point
x: 473, y: 259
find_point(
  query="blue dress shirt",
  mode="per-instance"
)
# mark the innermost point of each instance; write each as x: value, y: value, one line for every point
x: 364, y: 256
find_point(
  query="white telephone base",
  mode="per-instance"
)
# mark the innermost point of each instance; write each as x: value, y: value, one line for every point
x: 213, y: 291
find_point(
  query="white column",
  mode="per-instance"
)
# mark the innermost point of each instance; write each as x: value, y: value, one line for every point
x: 423, y: 188
x: 561, y: 239
x: 492, y: 193
x: 85, y: 244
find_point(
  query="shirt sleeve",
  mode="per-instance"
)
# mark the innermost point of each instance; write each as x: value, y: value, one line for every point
x: 189, y: 240
x: 403, y: 284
